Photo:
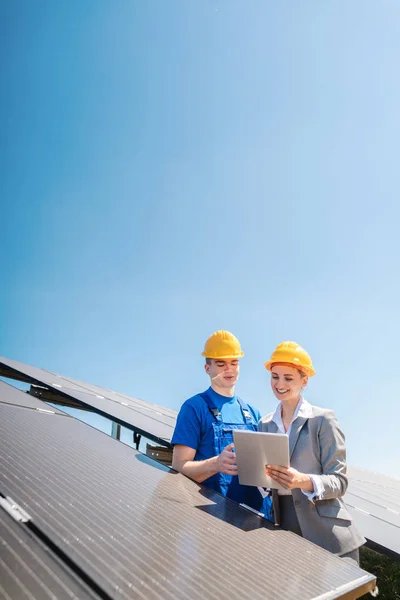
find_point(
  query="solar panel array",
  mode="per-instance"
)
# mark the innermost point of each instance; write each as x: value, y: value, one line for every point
x: 116, y: 524
x: 374, y: 503
x: 373, y: 499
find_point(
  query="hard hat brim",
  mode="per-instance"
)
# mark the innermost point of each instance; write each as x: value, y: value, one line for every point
x: 309, y: 371
x: 230, y: 356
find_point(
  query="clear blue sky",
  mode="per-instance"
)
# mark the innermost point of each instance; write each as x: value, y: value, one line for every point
x: 173, y: 168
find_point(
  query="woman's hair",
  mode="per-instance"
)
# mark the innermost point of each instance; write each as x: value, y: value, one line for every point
x: 294, y: 367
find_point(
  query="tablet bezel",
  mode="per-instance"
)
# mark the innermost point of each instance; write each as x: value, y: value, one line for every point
x: 254, y: 450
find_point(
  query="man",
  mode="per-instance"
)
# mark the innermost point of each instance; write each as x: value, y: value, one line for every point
x: 203, y: 438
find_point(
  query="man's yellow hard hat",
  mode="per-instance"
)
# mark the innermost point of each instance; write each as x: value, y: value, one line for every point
x: 222, y: 344
x: 291, y: 353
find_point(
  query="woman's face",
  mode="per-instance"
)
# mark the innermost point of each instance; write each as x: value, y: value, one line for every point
x: 287, y: 382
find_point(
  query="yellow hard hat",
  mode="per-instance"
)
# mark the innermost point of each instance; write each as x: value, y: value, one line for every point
x: 291, y: 353
x: 222, y: 344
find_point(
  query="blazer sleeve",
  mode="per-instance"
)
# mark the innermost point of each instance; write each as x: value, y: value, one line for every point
x: 333, y: 457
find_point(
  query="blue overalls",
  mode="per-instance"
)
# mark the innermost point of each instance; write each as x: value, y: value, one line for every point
x: 228, y: 485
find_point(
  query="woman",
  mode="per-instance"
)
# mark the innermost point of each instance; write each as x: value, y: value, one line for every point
x: 309, y: 499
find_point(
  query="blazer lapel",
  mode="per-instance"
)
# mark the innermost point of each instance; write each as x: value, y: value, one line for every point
x: 272, y: 427
x: 295, y: 432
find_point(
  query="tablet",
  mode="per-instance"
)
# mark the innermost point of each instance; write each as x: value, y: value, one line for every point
x: 254, y: 450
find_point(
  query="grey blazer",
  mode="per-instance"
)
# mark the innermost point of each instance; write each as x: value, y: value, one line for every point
x: 317, y: 447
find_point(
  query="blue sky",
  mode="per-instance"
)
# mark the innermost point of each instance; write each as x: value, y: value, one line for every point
x: 173, y: 168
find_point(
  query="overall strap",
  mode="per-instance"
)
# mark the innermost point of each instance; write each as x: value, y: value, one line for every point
x: 247, y: 416
x: 245, y: 411
x: 211, y: 406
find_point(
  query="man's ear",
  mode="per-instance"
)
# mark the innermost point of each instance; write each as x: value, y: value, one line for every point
x: 207, y: 368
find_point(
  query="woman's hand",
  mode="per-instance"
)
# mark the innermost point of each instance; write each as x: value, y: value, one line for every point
x: 288, y: 478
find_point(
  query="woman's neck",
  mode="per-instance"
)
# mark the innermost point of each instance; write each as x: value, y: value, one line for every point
x: 288, y: 408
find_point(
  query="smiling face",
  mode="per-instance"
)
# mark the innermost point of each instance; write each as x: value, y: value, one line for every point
x: 287, y: 382
x: 223, y: 373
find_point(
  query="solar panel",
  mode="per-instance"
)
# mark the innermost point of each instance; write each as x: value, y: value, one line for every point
x: 27, y: 571
x: 120, y: 397
x: 151, y: 420
x: 10, y: 395
x: 140, y: 530
x: 374, y: 503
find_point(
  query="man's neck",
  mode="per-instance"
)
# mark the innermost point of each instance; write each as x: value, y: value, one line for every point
x: 227, y: 392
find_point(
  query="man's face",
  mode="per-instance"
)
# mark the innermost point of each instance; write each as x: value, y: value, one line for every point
x: 224, y: 373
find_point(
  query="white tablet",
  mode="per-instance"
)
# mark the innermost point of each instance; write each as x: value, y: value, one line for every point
x: 254, y: 450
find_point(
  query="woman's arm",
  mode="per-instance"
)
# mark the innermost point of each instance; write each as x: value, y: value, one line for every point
x: 333, y: 457
x: 332, y: 483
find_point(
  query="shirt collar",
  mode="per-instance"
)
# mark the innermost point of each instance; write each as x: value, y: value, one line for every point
x: 303, y: 409
x: 219, y: 398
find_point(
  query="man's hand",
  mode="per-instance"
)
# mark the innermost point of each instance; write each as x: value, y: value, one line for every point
x: 199, y: 470
x: 226, y: 462
x: 289, y: 478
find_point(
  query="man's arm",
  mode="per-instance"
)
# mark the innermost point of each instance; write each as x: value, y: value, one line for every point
x: 200, y: 470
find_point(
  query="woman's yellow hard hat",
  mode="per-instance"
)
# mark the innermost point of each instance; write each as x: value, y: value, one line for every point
x: 291, y: 353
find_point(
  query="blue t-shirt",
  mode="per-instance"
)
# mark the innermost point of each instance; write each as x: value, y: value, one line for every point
x: 194, y: 425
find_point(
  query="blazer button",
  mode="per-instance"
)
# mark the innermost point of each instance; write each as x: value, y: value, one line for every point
x: 297, y: 503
